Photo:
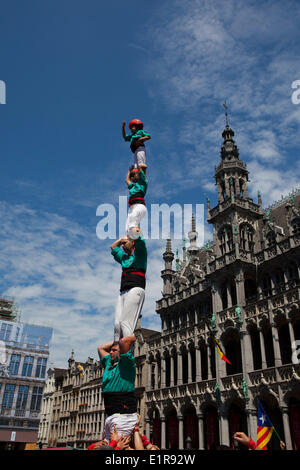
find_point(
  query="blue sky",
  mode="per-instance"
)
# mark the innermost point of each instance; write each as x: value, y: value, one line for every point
x: 73, y: 72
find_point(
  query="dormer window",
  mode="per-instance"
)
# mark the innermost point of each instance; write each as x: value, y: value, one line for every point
x: 296, y: 225
x: 271, y: 239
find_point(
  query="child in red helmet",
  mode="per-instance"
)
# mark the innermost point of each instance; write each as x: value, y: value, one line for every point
x: 137, y: 138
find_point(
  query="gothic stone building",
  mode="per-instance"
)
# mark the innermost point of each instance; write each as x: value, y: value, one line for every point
x: 245, y: 288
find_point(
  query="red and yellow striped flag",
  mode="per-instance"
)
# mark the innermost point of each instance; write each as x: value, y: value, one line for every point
x: 221, y: 354
x: 264, y: 428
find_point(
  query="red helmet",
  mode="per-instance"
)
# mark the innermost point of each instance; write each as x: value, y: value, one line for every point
x: 137, y: 123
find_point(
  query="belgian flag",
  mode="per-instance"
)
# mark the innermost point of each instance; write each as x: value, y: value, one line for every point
x: 221, y: 354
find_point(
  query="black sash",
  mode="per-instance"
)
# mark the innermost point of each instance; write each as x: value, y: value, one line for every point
x: 120, y: 402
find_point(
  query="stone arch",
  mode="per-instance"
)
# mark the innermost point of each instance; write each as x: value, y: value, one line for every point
x: 294, y: 415
x: 210, y: 425
x: 154, y: 416
x: 190, y: 425
x: 237, y: 418
x: 292, y: 272
x: 255, y: 345
x: 172, y: 427
x: 284, y: 338
x: 266, y: 330
x: 250, y: 286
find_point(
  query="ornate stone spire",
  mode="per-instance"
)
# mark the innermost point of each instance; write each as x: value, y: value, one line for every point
x: 231, y: 174
x: 167, y: 273
x: 168, y: 255
x: 193, y: 235
x: 71, y: 360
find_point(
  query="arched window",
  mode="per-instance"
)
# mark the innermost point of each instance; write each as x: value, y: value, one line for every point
x: 225, y: 239
x: 271, y: 239
x: 267, y: 285
x: 247, y: 237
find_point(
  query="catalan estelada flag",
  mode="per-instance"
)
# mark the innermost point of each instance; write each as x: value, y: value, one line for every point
x: 264, y: 428
x: 221, y: 354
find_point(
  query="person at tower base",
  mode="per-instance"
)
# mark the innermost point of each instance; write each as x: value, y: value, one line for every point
x: 137, y: 138
x: 132, y: 255
x: 118, y: 387
x: 137, y: 184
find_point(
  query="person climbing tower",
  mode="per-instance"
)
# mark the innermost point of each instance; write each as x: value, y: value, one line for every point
x: 137, y: 183
x: 137, y: 138
x: 118, y: 386
x: 132, y: 255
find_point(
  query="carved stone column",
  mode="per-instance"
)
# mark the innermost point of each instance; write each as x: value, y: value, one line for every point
x: 189, y: 365
x: 224, y: 426
x: 163, y: 432
x: 179, y: 369
x: 149, y: 370
x: 229, y: 298
x: 286, y: 427
x: 292, y: 334
x: 209, y: 375
x: 277, y: 355
x: 180, y: 431
x: 262, y: 349
x: 201, y: 430
x: 172, y: 367
x: 198, y: 364
x: 251, y: 423
x: 163, y: 372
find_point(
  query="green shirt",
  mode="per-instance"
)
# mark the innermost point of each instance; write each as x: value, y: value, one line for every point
x: 131, y: 138
x: 140, y: 186
x: 137, y: 260
x: 121, y: 377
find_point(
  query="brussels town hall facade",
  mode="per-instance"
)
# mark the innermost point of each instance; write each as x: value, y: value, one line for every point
x: 244, y: 288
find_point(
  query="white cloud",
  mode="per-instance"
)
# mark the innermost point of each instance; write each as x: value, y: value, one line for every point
x: 244, y: 53
x: 62, y: 276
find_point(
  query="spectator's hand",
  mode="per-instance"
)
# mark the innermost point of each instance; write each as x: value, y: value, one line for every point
x: 242, y: 438
x: 123, y: 442
x: 113, y: 435
x: 123, y: 124
x: 153, y: 447
x: 100, y: 443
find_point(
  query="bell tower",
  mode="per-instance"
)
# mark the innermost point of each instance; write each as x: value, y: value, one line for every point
x: 235, y: 216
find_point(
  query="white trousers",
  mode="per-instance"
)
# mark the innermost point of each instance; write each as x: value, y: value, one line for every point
x: 136, y: 213
x: 124, y: 423
x: 140, y: 156
x: 127, y: 312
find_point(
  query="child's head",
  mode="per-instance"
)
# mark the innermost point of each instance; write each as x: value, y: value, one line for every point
x: 133, y: 174
x: 135, y: 125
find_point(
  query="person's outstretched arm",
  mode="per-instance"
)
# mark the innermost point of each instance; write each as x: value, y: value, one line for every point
x: 123, y: 129
x: 138, y: 443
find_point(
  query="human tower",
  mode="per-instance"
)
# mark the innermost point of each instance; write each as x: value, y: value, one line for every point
x: 117, y: 358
